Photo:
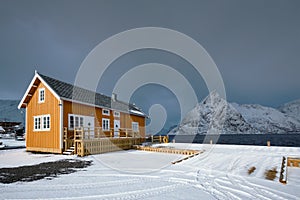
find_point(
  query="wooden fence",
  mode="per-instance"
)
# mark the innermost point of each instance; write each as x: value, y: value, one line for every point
x: 287, y: 162
x: 168, y: 150
x: 159, y: 139
x: 87, y: 141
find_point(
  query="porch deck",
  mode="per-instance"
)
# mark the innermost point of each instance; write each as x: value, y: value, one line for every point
x: 87, y: 141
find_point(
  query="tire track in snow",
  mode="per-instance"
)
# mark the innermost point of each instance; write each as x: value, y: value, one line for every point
x: 229, y: 186
x: 136, y: 194
x: 263, y: 190
x: 56, y: 187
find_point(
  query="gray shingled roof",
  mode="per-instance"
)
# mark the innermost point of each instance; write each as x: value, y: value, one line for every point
x: 71, y: 92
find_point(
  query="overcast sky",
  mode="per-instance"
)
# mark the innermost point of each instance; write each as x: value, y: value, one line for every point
x: 255, y: 44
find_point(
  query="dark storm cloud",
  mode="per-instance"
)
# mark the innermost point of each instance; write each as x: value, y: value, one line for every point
x: 255, y: 44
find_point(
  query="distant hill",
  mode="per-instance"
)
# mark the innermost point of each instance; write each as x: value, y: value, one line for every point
x: 9, y: 111
x: 268, y: 120
x: 292, y: 109
x: 216, y: 115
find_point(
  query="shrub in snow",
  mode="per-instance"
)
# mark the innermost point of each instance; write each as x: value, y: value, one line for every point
x: 251, y: 170
x: 271, y: 174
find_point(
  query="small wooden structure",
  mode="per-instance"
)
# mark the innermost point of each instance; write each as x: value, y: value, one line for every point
x: 160, y: 139
x: 293, y: 162
x: 9, y: 125
x: 287, y: 162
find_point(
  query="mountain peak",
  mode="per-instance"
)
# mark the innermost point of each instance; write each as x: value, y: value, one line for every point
x: 214, y: 114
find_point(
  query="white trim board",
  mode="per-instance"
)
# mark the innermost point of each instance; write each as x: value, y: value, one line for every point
x: 31, y: 85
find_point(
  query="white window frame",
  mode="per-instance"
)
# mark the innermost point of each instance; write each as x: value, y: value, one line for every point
x: 117, y: 114
x: 106, y: 112
x: 42, y: 100
x: 36, y: 123
x: 135, y: 126
x: 78, y: 121
x: 104, y: 126
x: 42, y: 122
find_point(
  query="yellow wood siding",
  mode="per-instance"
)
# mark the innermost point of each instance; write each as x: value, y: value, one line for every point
x: 80, y: 109
x: 47, y: 141
x: 127, y: 119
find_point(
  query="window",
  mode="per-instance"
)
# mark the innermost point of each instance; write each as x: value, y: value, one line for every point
x: 81, y: 121
x: 135, y: 126
x: 116, y: 114
x: 105, y: 112
x: 42, y: 95
x: 105, y: 124
x: 46, y: 122
x: 41, y: 123
x: 37, y: 123
x: 75, y: 121
x: 71, y: 121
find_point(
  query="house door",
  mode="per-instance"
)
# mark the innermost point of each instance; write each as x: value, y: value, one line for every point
x: 116, y: 128
x: 89, y: 122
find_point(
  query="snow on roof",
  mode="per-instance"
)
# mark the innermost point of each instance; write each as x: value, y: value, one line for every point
x: 137, y: 112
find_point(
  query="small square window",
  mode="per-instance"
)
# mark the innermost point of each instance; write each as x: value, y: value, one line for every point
x: 105, y: 112
x: 116, y: 114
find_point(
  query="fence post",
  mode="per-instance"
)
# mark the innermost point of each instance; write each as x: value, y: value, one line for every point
x: 82, y: 133
x: 66, y: 137
x: 74, y: 133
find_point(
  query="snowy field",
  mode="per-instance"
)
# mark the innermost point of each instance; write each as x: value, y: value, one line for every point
x: 221, y: 172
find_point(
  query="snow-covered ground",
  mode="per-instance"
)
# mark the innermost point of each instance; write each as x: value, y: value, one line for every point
x: 11, y: 142
x: 219, y: 173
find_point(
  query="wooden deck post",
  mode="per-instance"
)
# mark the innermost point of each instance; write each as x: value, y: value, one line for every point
x: 89, y: 133
x: 82, y: 133
x: 66, y: 137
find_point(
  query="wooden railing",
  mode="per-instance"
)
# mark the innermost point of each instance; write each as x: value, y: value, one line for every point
x: 87, y: 133
x: 82, y: 133
x: 87, y: 140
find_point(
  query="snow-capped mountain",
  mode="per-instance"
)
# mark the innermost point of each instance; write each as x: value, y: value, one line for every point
x: 9, y: 111
x: 266, y: 119
x: 292, y: 109
x: 215, y: 115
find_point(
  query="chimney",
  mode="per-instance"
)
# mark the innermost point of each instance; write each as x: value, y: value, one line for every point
x: 114, y: 97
